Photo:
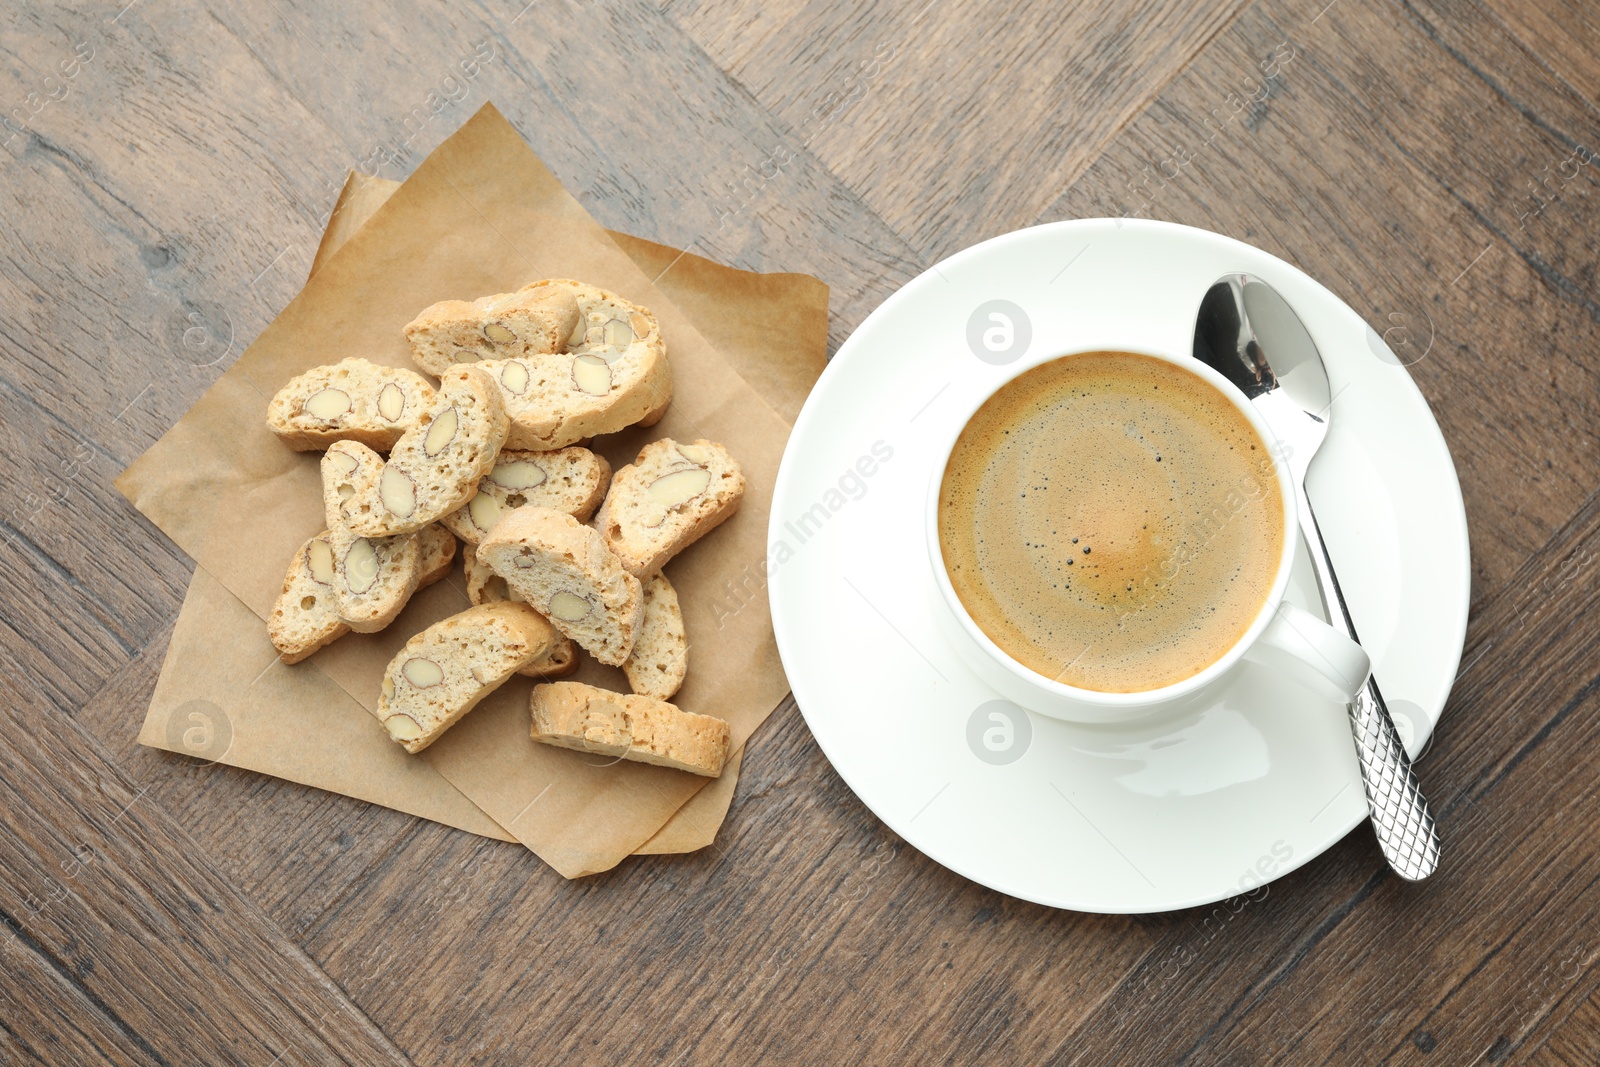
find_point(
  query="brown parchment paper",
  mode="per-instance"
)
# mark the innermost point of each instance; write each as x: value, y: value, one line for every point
x: 219, y: 708
x: 483, y: 215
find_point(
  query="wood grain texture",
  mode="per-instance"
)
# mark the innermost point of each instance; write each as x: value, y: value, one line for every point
x: 626, y: 164
x: 150, y: 955
x: 1562, y: 35
x: 121, y: 586
x: 951, y: 156
x: 1576, y: 1042
x: 164, y: 200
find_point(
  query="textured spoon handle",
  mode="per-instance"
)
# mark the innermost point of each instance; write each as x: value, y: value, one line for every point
x: 1400, y: 816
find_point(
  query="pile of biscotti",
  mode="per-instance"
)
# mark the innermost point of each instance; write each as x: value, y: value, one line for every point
x: 559, y: 554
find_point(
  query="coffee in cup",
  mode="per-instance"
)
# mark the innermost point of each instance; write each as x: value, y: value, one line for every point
x: 1111, y: 521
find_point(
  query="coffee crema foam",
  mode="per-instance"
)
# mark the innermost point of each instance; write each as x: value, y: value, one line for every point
x: 1111, y: 521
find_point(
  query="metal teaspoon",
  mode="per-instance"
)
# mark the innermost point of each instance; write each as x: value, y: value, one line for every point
x: 1243, y: 323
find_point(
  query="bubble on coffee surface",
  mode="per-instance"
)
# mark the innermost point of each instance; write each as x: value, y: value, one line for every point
x: 1105, y: 531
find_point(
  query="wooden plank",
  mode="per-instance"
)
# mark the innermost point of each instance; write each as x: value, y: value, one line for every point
x: 55, y: 1020
x: 94, y: 568
x: 66, y: 654
x: 714, y: 174
x: 1385, y: 160
x: 125, y: 300
x: 1564, y: 35
x: 954, y: 122
x: 102, y: 890
x: 1576, y: 1043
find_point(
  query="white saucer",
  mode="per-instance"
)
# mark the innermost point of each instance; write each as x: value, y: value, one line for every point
x: 1155, y: 815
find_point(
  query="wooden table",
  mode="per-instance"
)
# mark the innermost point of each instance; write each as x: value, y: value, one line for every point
x: 165, y: 173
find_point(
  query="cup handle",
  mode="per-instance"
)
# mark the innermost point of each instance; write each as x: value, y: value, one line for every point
x: 1305, y: 648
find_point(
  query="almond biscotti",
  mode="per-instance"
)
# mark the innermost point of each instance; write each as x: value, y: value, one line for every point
x: 667, y: 499
x: 443, y: 672
x: 435, y: 467
x: 525, y: 323
x: 373, y: 577
x: 484, y: 586
x: 565, y: 571
x: 607, y: 324
x: 305, y: 617
x: 613, y: 374
x: 572, y: 480
x: 352, y: 400
x: 640, y: 728
x: 660, y: 656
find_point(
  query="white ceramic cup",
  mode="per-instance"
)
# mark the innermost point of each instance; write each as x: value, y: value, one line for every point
x: 1282, y: 636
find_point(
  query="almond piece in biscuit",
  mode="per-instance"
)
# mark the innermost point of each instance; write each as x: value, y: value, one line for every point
x: 614, y: 373
x: 667, y: 499
x: 573, y: 480
x: 352, y: 400
x: 373, y: 577
x: 660, y: 656
x: 639, y: 728
x: 525, y: 323
x: 564, y: 570
x: 436, y: 466
x: 444, y: 671
x: 484, y: 586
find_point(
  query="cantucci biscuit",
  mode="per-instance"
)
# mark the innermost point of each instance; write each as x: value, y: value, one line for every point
x: 352, y: 400
x: 634, y: 727
x: 444, y: 671
x: 306, y: 618
x: 564, y: 570
x: 613, y: 374
x: 373, y: 577
x: 435, y: 467
x: 524, y: 323
x: 660, y: 656
x: 573, y: 480
x: 484, y: 586
x: 667, y: 499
